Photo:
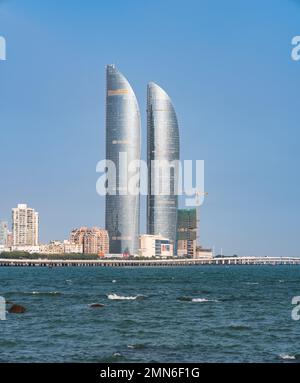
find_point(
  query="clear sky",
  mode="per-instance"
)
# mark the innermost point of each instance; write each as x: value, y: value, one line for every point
x: 227, y: 67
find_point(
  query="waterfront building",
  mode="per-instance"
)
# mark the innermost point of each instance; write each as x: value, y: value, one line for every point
x: 72, y: 247
x: 93, y: 241
x: 155, y: 246
x: 187, y: 232
x: 123, y: 126
x: 10, y: 241
x: 163, y: 147
x: 26, y: 249
x: 3, y: 234
x: 203, y: 253
x: 25, y: 225
x: 54, y: 247
x: 59, y: 247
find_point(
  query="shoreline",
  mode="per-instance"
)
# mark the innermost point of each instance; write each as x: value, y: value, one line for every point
x: 148, y: 263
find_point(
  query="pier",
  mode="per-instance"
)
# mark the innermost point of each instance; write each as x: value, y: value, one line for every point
x: 151, y: 262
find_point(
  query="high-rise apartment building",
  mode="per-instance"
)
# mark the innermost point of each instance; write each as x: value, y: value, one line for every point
x: 123, y: 125
x: 25, y: 225
x: 93, y: 241
x: 163, y: 148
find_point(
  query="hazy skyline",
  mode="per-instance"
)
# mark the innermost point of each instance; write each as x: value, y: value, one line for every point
x: 228, y: 70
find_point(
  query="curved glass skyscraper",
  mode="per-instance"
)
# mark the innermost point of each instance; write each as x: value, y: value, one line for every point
x: 162, y: 145
x: 122, y: 138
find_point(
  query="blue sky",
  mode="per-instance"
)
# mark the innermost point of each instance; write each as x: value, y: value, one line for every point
x: 226, y: 66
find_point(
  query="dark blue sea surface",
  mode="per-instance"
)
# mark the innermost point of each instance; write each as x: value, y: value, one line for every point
x: 179, y: 314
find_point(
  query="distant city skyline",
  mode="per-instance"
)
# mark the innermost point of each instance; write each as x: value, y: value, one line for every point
x: 235, y: 90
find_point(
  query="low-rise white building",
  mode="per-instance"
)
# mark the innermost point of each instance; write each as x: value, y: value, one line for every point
x: 4, y: 249
x: 54, y: 247
x: 27, y: 249
x: 151, y: 246
x: 203, y: 253
x: 58, y: 247
x: 72, y: 248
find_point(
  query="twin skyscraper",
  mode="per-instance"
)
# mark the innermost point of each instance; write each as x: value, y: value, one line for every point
x: 123, y: 135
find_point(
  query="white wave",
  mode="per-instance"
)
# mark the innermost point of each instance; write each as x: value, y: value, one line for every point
x: 121, y: 297
x: 239, y: 326
x: 201, y: 300
x: 45, y: 293
x: 251, y: 283
x: 114, y: 281
x: 135, y: 346
x: 287, y: 357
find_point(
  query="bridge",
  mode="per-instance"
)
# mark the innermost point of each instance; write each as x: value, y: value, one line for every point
x: 150, y: 262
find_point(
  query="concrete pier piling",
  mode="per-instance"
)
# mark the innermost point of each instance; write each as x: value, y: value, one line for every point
x: 151, y: 262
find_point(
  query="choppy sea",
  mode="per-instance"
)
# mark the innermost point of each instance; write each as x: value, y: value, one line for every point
x: 179, y: 314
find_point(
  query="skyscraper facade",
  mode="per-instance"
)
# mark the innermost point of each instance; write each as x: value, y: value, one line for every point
x: 123, y: 126
x: 25, y: 221
x: 162, y: 146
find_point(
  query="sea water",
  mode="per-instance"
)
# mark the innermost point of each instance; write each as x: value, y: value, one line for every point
x: 166, y: 314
